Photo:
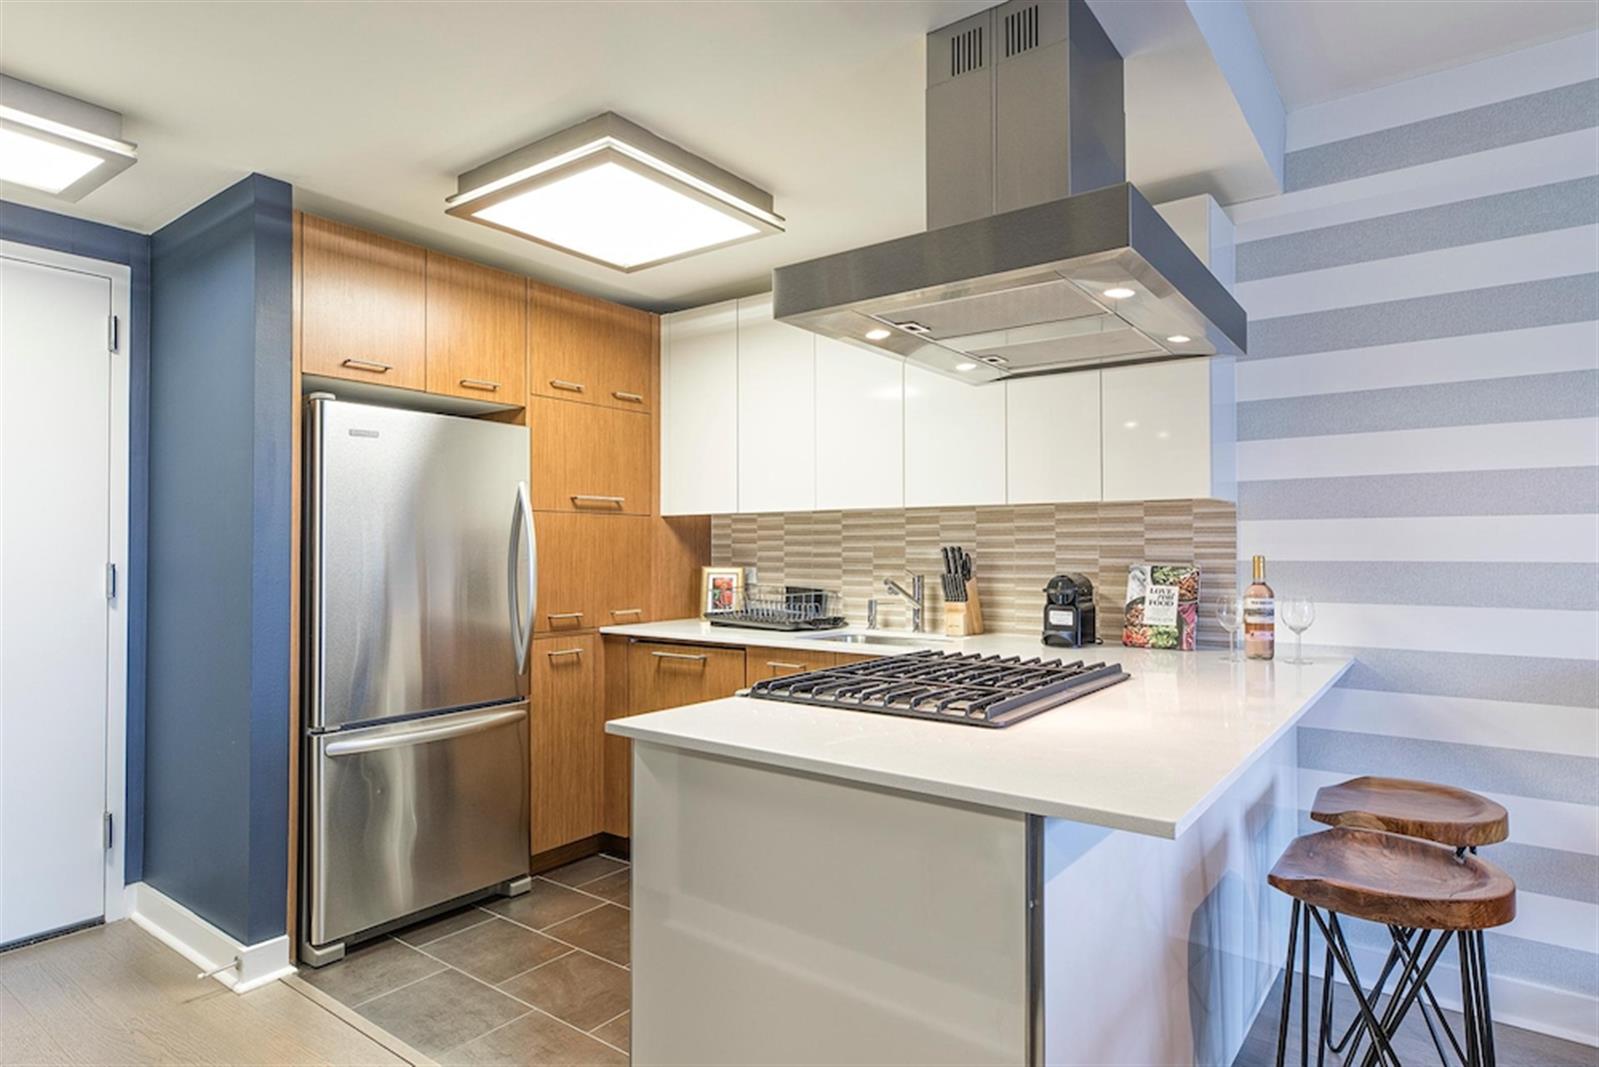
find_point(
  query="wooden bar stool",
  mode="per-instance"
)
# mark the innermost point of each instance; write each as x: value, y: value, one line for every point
x: 1434, y: 895
x: 1450, y: 816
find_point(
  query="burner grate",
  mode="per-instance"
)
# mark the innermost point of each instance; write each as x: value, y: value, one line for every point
x: 992, y: 691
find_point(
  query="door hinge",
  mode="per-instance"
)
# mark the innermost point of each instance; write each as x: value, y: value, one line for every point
x: 108, y: 829
x: 110, y: 581
x: 113, y: 333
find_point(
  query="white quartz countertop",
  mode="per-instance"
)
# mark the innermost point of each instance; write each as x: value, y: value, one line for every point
x: 1148, y: 755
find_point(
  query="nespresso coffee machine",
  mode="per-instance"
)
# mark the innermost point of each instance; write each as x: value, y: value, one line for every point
x: 1069, y: 611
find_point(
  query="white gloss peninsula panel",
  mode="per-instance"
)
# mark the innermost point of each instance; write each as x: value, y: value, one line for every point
x: 825, y: 886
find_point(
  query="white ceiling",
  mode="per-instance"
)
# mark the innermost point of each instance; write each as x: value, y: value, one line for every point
x: 1320, y: 50
x: 370, y: 110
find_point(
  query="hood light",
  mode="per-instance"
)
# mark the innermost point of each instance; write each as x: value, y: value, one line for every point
x: 1120, y: 292
x: 878, y: 334
x: 1178, y: 339
x: 965, y: 366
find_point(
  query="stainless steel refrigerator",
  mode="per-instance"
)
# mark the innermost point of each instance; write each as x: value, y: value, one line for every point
x: 420, y: 575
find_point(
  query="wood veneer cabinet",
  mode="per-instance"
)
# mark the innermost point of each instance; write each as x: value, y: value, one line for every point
x: 362, y: 306
x: 476, y: 331
x: 567, y: 740
x: 763, y: 663
x: 590, y: 458
x: 583, y: 348
x: 662, y: 675
x: 594, y: 570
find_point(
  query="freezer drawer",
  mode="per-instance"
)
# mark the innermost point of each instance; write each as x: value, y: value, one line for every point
x: 408, y: 815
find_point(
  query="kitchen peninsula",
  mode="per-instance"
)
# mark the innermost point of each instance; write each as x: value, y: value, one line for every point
x: 822, y: 885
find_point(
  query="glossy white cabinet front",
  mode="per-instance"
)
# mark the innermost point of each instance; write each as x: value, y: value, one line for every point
x: 1052, y: 450
x: 1158, y: 431
x: 776, y: 411
x: 954, y: 441
x: 699, y: 410
x: 860, y: 428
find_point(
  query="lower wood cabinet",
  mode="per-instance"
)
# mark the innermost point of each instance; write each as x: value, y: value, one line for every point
x: 763, y: 663
x: 567, y: 740
x: 594, y: 570
x: 661, y: 675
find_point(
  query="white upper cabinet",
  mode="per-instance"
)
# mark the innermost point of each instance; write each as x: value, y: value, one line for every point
x: 699, y: 410
x: 776, y: 411
x: 1169, y: 430
x: 954, y: 441
x: 860, y: 428
x: 1052, y: 445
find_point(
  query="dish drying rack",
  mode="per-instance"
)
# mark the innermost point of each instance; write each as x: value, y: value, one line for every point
x: 783, y: 607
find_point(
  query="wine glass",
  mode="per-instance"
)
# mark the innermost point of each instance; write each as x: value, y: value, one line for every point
x: 1298, y: 613
x: 1229, y: 612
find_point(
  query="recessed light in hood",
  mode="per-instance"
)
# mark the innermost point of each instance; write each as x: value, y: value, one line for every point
x: 1038, y: 257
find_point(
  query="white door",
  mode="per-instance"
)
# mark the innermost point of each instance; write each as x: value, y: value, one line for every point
x: 1052, y: 438
x: 55, y: 485
x: 860, y: 427
x: 954, y: 441
x: 699, y: 411
x: 776, y: 411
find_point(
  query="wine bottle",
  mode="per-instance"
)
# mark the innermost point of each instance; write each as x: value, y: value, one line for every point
x: 1260, y: 615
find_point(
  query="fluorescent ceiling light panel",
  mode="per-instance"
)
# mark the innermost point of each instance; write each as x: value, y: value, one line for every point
x: 56, y: 144
x: 614, y: 193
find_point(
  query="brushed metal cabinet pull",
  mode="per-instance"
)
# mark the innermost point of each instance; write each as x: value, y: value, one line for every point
x: 617, y: 501
x: 552, y: 653
x: 480, y: 383
x: 627, y: 611
x: 367, y: 364
x: 700, y: 658
x: 780, y: 665
x: 562, y: 383
x: 563, y: 615
x: 631, y: 398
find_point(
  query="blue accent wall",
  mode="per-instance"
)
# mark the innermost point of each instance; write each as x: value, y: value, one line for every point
x: 60, y: 233
x: 217, y: 712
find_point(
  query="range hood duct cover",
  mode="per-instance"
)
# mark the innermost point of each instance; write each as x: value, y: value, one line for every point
x: 1030, y: 220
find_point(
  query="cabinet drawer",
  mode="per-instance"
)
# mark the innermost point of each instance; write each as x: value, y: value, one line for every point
x: 763, y: 663
x: 593, y: 570
x: 590, y: 350
x: 568, y: 752
x: 590, y: 458
x: 476, y: 331
x: 663, y: 675
x: 362, y: 305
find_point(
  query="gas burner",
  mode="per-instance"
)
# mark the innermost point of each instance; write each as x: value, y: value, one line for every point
x: 961, y: 687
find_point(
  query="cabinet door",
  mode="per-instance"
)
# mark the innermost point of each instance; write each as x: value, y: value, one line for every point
x: 567, y: 740
x: 668, y: 676
x: 763, y: 663
x: 589, y: 458
x: 1157, y: 430
x: 860, y: 428
x: 583, y: 348
x: 1052, y: 438
x: 593, y: 571
x: 699, y: 411
x: 776, y: 411
x: 476, y: 331
x: 363, y: 305
x: 954, y: 441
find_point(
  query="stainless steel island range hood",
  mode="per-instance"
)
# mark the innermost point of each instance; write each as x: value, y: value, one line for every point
x: 1038, y: 257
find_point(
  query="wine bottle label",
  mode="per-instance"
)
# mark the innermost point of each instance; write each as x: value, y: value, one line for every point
x: 1260, y: 617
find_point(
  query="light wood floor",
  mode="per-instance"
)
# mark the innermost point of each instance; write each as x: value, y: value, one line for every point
x: 115, y: 995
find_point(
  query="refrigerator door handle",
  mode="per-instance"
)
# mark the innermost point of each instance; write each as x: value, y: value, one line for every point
x: 422, y: 734
x: 522, y: 621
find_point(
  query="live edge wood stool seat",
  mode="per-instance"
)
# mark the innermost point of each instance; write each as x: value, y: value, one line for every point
x: 1427, y: 896
x: 1455, y: 817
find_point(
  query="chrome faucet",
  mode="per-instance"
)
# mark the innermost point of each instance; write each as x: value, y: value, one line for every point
x: 916, y: 597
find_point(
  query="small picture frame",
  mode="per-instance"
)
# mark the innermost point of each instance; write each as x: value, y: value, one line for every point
x: 721, y: 589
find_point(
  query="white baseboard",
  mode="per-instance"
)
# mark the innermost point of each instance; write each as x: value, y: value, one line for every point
x: 204, y: 945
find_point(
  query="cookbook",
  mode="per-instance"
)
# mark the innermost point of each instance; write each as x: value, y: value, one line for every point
x: 1162, y: 606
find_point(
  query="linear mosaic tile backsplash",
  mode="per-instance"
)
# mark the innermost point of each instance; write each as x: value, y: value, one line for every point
x: 1015, y: 551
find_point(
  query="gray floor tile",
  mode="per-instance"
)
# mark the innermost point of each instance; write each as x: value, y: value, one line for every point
x: 544, y: 905
x: 370, y: 971
x: 442, y: 1012
x: 618, y: 1032
x: 443, y: 926
x: 577, y: 988
x: 534, y: 1039
x: 617, y: 888
x: 603, y: 931
x: 585, y: 870
x: 496, y: 950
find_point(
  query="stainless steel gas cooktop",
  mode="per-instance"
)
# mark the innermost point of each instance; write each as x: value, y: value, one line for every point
x: 958, y: 687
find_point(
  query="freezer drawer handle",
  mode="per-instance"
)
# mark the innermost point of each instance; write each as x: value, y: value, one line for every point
x: 522, y: 621
x: 480, y: 383
x: 563, y: 384
x: 630, y: 398
x: 368, y: 364
x: 609, y: 501
x: 700, y: 658
x: 424, y: 734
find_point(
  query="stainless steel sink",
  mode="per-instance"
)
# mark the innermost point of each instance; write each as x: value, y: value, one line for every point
x: 900, y: 640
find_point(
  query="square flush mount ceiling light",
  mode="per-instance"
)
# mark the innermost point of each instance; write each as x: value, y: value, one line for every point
x: 612, y: 192
x: 57, y: 144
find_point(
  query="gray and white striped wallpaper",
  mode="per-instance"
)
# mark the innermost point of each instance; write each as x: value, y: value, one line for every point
x: 1418, y: 427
